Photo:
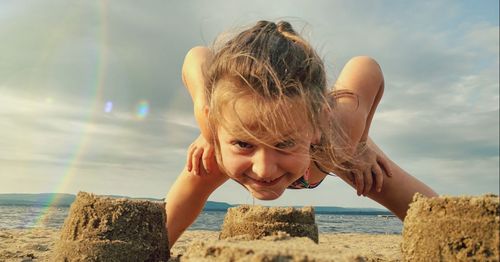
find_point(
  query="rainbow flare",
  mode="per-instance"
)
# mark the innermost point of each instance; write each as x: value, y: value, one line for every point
x: 142, y: 109
x: 101, y: 72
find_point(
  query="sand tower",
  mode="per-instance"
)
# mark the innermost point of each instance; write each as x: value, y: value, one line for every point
x: 107, y: 229
x: 452, y: 229
x: 257, y: 221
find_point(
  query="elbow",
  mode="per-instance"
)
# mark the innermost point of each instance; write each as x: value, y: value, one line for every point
x: 366, y: 61
x: 193, y: 56
x: 369, y: 64
x: 376, y: 75
x: 196, y: 51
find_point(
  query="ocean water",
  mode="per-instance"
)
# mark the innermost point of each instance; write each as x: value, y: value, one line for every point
x: 35, y: 216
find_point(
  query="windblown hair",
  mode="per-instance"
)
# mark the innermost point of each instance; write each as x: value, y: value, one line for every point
x: 276, y: 68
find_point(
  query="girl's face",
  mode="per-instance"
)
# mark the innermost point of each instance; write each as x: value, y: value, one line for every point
x: 264, y: 170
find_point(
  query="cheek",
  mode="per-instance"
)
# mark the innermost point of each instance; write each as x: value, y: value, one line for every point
x: 299, y: 163
x: 233, y: 164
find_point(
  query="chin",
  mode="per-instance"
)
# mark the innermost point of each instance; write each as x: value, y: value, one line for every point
x: 266, y: 195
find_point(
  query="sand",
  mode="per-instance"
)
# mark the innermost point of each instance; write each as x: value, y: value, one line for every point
x: 255, y: 222
x: 331, y: 247
x: 27, y: 244
x: 452, y: 228
x: 107, y: 229
x: 465, y: 228
x: 38, y: 245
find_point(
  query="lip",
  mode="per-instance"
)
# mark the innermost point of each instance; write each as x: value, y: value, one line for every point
x: 257, y: 183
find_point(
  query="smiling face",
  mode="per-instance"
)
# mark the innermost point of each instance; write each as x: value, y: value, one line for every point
x: 266, y: 90
x: 264, y: 157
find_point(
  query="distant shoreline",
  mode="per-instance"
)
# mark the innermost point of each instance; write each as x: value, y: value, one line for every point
x: 65, y: 200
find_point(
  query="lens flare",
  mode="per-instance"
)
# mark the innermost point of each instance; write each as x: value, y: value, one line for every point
x: 108, y: 107
x: 100, y: 67
x: 142, y: 109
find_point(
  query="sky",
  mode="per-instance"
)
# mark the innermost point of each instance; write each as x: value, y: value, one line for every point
x: 91, y: 96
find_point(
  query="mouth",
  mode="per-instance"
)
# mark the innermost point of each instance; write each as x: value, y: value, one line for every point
x: 264, y: 183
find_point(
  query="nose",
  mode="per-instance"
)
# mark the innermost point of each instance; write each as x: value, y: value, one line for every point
x: 264, y: 163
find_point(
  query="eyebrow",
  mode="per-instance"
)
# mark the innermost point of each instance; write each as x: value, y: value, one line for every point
x: 287, y: 137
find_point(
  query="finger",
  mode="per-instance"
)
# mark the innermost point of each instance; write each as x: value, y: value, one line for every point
x: 368, y: 182
x: 196, y: 160
x: 351, y: 177
x: 379, y: 177
x: 207, y: 156
x: 385, y: 165
x: 359, y: 182
x: 189, y: 157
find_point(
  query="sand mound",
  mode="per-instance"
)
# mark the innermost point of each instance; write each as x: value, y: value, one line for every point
x: 106, y: 229
x: 280, y: 247
x: 255, y: 222
x: 452, y: 228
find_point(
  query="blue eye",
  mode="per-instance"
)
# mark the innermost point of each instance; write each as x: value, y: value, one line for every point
x: 285, y: 144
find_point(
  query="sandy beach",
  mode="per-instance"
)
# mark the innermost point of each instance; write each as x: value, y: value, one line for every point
x: 443, y: 228
x: 37, y: 245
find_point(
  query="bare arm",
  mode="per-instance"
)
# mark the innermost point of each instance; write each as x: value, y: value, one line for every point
x: 398, y: 190
x: 363, y: 76
x: 192, y: 76
x: 189, y: 193
x: 201, y: 150
x: 186, y: 199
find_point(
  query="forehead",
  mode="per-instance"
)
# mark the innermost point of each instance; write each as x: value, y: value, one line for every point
x: 254, y: 118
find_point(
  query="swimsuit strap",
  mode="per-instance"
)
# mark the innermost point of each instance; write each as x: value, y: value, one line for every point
x: 303, y: 181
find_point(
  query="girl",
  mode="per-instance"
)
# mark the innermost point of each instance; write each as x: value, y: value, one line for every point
x: 268, y: 121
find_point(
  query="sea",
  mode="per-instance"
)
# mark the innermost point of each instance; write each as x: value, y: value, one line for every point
x: 25, y: 217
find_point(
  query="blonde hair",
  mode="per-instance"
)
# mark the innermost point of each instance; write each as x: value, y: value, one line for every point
x: 275, y: 67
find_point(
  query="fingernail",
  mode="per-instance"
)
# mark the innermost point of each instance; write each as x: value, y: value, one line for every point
x: 379, y: 189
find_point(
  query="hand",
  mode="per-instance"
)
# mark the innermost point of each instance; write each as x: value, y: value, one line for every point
x: 201, y: 149
x: 367, y: 167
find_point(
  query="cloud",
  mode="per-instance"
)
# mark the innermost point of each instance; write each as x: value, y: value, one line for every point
x: 56, y: 138
x: 61, y: 61
x: 441, y: 96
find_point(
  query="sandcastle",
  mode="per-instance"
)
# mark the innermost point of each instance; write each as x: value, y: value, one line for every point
x: 256, y: 222
x: 107, y: 229
x: 257, y: 233
x: 452, y: 229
